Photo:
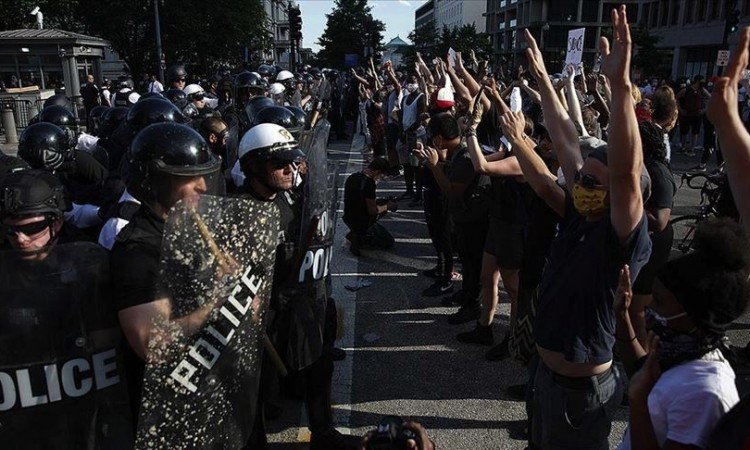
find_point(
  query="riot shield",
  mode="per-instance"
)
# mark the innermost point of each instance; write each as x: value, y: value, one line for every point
x: 201, y: 379
x: 61, y: 371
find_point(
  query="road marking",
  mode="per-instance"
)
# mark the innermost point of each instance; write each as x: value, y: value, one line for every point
x: 413, y: 241
x: 375, y: 274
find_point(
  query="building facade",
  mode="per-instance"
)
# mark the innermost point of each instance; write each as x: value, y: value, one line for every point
x: 549, y: 21
x: 691, y: 32
x: 277, y: 27
x: 451, y: 13
x: 395, y: 50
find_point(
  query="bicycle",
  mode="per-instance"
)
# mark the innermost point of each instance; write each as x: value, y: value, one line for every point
x: 712, y: 189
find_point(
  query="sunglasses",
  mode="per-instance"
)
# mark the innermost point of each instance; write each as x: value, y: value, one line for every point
x: 198, y: 97
x: 281, y: 164
x: 587, y: 181
x: 29, y: 229
x: 181, y: 80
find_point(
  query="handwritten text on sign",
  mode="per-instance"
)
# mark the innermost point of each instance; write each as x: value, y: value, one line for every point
x: 575, y: 47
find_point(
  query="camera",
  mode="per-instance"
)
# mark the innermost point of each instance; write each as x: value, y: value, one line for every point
x: 392, y: 435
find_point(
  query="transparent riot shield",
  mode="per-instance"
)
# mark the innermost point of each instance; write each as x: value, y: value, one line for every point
x: 216, y: 270
x: 317, y: 226
x: 61, y: 371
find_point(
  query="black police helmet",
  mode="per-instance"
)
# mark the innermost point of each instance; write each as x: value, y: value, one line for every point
x: 255, y: 105
x: 175, y: 72
x: 151, y: 95
x: 59, y: 100
x: 151, y: 111
x: 278, y: 115
x: 32, y: 193
x: 95, y: 118
x: 266, y: 70
x: 44, y: 146
x: 299, y: 113
x: 10, y: 164
x: 170, y: 148
x: 178, y: 97
x: 112, y: 119
x: 58, y: 115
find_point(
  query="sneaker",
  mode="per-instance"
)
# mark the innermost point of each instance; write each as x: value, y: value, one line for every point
x: 430, y: 273
x: 331, y: 439
x: 457, y: 299
x: 698, y: 168
x: 498, y: 352
x: 466, y: 313
x: 479, y: 335
x: 438, y: 288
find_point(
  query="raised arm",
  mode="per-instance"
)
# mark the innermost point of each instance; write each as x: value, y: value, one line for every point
x: 470, y: 82
x: 499, y: 166
x: 392, y: 77
x: 574, y: 106
x: 560, y: 127
x: 461, y: 89
x: 625, y: 155
x: 734, y: 139
x: 534, y: 170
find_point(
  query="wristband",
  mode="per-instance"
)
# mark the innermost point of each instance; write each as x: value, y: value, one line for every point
x: 470, y: 132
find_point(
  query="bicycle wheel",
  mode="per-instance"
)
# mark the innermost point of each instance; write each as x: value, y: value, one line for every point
x: 684, y: 232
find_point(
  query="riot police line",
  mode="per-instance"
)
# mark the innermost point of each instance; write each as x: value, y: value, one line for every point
x: 219, y: 219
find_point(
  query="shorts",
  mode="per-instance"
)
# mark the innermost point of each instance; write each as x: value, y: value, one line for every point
x: 691, y: 124
x: 505, y: 242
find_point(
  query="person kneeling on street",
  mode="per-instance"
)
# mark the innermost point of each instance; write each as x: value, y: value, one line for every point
x: 362, y: 208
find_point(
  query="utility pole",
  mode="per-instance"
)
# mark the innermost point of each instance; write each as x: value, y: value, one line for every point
x: 159, y: 55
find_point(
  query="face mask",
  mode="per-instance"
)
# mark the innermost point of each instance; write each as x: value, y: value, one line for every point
x: 589, y: 202
x: 412, y: 87
x: 676, y: 347
x: 654, y: 318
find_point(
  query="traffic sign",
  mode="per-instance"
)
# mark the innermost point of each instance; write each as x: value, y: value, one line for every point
x: 723, y: 58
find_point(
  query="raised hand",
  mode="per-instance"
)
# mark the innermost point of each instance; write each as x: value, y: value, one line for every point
x: 616, y: 59
x: 459, y: 61
x: 513, y: 125
x: 476, y: 107
x: 722, y: 108
x: 624, y: 293
x: 534, y: 55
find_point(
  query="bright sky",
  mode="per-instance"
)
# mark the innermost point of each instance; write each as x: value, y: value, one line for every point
x: 398, y: 16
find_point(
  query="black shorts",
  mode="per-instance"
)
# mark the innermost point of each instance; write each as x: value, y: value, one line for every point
x: 505, y: 242
x: 691, y: 124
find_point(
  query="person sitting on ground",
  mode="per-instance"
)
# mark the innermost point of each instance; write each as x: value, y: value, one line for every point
x: 362, y: 208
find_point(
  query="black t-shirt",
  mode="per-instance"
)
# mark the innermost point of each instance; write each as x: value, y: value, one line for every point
x: 488, y: 130
x: 357, y: 190
x: 539, y: 234
x: 574, y: 312
x: 473, y: 204
x: 510, y: 200
x: 134, y: 263
x: 663, y: 187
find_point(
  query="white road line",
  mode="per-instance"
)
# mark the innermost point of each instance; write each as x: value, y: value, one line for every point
x: 374, y: 274
x: 413, y: 241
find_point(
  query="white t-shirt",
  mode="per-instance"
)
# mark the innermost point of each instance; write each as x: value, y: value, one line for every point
x: 688, y: 401
x: 114, y: 225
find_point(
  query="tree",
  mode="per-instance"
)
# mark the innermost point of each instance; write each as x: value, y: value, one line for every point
x: 204, y: 38
x: 350, y: 28
x: 647, y: 57
x: 464, y: 39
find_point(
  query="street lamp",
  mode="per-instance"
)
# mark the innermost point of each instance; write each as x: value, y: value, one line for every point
x: 39, y: 17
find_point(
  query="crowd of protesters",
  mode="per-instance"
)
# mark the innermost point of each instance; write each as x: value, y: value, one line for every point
x: 560, y: 190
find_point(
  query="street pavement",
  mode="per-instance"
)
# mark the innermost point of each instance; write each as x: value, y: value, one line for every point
x: 402, y: 355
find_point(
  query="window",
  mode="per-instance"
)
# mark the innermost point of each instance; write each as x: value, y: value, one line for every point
x: 690, y: 11
x: 675, y: 12
x: 590, y: 11
x: 654, y: 15
x: 700, y: 11
x: 563, y: 11
x: 713, y: 10
x: 646, y: 11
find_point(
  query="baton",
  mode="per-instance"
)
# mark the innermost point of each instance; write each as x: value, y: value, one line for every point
x: 225, y: 265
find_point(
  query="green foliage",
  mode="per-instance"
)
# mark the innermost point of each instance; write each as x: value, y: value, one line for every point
x: 197, y: 33
x: 350, y: 28
x: 430, y: 44
x: 647, y: 56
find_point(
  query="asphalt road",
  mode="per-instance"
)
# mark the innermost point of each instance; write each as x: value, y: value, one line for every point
x: 402, y: 355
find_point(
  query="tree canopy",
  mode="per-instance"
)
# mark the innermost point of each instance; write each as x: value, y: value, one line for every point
x: 201, y: 35
x: 350, y: 28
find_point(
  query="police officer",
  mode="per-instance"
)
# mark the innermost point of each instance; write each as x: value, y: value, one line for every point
x: 52, y: 312
x: 125, y: 94
x: 168, y: 162
x: 176, y: 76
x: 269, y: 159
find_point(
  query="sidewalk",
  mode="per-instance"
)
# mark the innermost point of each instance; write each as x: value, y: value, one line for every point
x: 8, y: 149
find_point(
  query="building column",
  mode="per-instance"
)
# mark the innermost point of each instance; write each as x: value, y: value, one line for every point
x: 678, y: 62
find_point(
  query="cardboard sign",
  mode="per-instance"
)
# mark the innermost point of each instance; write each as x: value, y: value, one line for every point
x: 515, y: 99
x: 575, y: 47
x: 722, y: 59
x: 452, y: 57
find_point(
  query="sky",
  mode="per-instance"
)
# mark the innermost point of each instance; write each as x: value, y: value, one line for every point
x: 398, y: 16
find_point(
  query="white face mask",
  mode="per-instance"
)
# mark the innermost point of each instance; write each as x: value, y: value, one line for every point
x: 412, y: 87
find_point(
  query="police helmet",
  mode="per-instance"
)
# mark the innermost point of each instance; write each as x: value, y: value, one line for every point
x: 178, y: 97
x: 32, y: 193
x: 170, y: 148
x: 175, y: 72
x: 276, y: 89
x: 194, y: 91
x: 44, y: 146
x: 332, y: 74
x: 60, y: 100
x: 269, y: 141
x: 150, y: 95
x: 299, y: 113
x: 151, y: 111
x: 255, y: 104
x: 112, y: 119
x: 284, y: 76
x: 266, y: 70
x: 58, y: 115
x: 190, y: 111
x: 278, y: 115
x: 316, y: 74
x: 95, y: 118
x: 10, y: 164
